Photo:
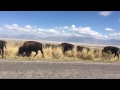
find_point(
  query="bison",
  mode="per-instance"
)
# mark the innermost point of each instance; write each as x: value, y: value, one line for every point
x: 2, y: 45
x: 96, y: 51
x: 47, y: 45
x: 50, y: 45
x: 112, y: 49
x: 30, y: 46
x: 80, y: 48
x: 66, y: 47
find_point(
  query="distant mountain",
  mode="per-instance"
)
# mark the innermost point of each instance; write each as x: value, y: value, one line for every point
x: 21, y: 36
x: 88, y: 40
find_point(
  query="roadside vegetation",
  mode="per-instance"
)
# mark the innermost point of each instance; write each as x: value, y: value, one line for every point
x: 56, y: 54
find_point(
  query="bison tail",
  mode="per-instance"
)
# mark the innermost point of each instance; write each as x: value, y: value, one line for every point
x: 43, y: 46
x: 118, y: 51
x: 5, y: 47
x: 5, y: 44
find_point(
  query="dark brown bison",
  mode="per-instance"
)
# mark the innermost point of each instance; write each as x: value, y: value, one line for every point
x: 96, y: 51
x: 81, y: 48
x: 50, y: 45
x: 47, y: 45
x: 30, y: 46
x: 111, y: 49
x: 66, y: 47
x: 2, y: 45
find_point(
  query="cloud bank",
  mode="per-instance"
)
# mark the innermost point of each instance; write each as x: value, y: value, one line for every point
x: 69, y: 31
x: 105, y: 13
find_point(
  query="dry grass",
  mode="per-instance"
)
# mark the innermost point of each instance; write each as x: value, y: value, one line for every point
x: 55, y: 54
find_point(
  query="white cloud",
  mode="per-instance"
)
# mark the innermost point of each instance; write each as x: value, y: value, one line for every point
x: 65, y: 27
x: 105, y: 13
x: 52, y: 31
x: 86, y: 31
x: 15, y: 25
x: 57, y: 31
x: 109, y: 29
x: 11, y: 27
x: 60, y: 31
x: 63, y: 31
x: 0, y: 28
x: 61, y: 28
x: 73, y: 26
x: 40, y: 29
x: 114, y: 36
x: 28, y: 26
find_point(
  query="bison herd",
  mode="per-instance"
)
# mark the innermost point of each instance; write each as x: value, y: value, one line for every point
x: 33, y: 46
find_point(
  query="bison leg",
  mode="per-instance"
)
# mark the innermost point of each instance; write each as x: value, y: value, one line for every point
x: 118, y: 56
x: 102, y: 53
x: 115, y: 55
x: 36, y: 53
x: 29, y: 53
x: 2, y: 53
x: 22, y: 54
x: 86, y: 52
x: 42, y: 53
x: 64, y: 50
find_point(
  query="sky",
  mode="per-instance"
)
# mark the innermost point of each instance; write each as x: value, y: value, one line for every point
x: 96, y: 24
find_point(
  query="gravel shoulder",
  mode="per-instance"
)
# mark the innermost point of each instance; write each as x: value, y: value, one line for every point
x: 16, y: 69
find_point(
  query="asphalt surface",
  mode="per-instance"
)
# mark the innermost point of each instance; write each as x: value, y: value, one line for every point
x: 16, y: 69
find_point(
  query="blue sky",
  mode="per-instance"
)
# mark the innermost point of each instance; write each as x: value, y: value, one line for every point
x: 97, y: 24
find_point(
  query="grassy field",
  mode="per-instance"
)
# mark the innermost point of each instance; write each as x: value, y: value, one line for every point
x: 56, y: 53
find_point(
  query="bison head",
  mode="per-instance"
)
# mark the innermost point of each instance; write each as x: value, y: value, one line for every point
x: 20, y: 50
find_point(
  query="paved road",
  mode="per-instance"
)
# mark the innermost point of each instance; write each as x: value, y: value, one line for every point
x: 11, y: 69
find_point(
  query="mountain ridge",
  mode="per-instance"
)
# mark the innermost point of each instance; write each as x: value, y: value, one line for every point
x: 89, y: 40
